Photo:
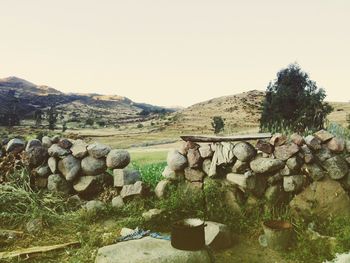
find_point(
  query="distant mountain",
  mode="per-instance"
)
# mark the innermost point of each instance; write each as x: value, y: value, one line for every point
x: 112, y: 109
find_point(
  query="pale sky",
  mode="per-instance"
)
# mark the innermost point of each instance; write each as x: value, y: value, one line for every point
x: 176, y: 52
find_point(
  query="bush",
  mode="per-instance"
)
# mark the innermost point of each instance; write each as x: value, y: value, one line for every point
x: 218, y: 124
x: 293, y: 100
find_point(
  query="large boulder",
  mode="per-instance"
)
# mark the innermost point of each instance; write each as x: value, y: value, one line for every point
x: 266, y: 165
x: 336, y: 167
x: 286, y: 151
x: 90, y: 185
x: 322, y: 199
x: 46, y: 141
x: 194, y: 175
x: 297, y: 139
x: 206, y: 151
x: 136, y: 189
x: 52, y: 163
x: 37, y: 156
x: 125, y: 176
x: 149, y: 250
x: 32, y: 144
x: 79, y: 149
x: 176, y: 161
x: 98, y: 150
x: 217, y: 235
x: 244, y: 151
x: 312, y: 142
x: 264, y: 146
x: 294, y: 163
x: 65, y: 143
x: 118, y: 159
x: 56, y: 183
x: 15, y: 146
x: 69, y: 166
x: 278, y: 139
x: 93, y: 166
x: 194, y: 158
x: 57, y: 151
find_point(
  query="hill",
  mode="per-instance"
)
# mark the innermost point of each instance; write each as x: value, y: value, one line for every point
x: 73, y: 107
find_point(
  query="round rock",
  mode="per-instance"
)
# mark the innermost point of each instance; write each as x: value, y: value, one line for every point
x: 69, y: 167
x: 98, y: 150
x: 93, y: 166
x: 118, y: 159
x: 244, y: 151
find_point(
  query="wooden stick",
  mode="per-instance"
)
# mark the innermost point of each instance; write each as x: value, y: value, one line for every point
x: 199, y: 138
x: 34, y: 250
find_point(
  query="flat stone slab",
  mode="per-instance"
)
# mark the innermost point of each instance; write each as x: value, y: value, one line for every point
x: 149, y: 250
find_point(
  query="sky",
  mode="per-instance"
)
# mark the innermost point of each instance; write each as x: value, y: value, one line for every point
x: 174, y: 53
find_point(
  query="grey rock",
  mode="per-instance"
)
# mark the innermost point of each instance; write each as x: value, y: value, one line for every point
x: 52, y: 163
x: 98, y: 150
x: 118, y: 159
x: 240, y: 167
x: 93, y: 166
x: 94, y: 205
x: 15, y: 146
x: 37, y: 156
x: 324, y: 153
x: 117, y: 202
x: 176, y: 161
x: 90, y: 185
x: 186, y: 146
x: 206, y: 166
x: 206, y: 151
x: 336, y: 167
x: 57, y: 151
x: 64, y: 143
x: 194, y: 158
x: 46, y: 142
x: 125, y: 176
x: 169, y: 174
x: 151, y: 214
x: 161, y: 188
x: 266, y: 165
x: 55, y: 139
x: 294, y: 163
x: 314, y: 171
x: 136, y: 189
x: 79, y: 149
x: 58, y: 184
x: 313, y: 142
x: 69, y: 166
x: 217, y: 235
x: 323, y: 135
x: 32, y: 144
x: 43, y: 171
x: 149, y: 250
x: 194, y: 175
x: 322, y: 199
x: 293, y: 183
x: 286, y: 151
x: 285, y: 171
x: 244, y: 151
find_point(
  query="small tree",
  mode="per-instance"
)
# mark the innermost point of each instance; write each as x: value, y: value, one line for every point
x: 218, y: 124
x: 52, y: 117
x: 293, y: 101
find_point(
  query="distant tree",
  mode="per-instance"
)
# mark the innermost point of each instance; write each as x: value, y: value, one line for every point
x: 64, y: 126
x: 52, y: 117
x: 89, y: 121
x: 144, y: 113
x: 294, y: 101
x: 38, y: 116
x: 140, y: 125
x: 218, y: 124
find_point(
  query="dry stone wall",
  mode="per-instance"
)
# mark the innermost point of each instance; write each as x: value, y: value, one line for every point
x: 72, y: 166
x: 311, y: 171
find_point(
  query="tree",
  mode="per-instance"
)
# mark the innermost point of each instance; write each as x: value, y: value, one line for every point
x: 218, y: 124
x: 294, y: 101
x: 52, y: 117
x: 38, y: 116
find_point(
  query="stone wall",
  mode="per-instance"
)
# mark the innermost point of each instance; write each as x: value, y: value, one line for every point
x: 71, y: 166
x: 282, y: 168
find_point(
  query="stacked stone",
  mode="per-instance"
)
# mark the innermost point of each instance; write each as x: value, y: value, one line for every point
x: 275, y: 169
x: 72, y: 166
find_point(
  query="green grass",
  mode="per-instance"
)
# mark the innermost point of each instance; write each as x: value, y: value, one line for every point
x: 151, y: 174
x: 145, y: 157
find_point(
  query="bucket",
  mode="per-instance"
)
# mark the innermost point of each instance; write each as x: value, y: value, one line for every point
x: 279, y: 235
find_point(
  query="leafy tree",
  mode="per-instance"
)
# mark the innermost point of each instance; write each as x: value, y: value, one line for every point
x: 38, y: 116
x: 52, y: 117
x: 293, y: 101
x: 89, y: 121
x: 218, y: 124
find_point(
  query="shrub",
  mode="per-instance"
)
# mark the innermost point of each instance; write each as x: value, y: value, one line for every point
x: 218, y: 124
